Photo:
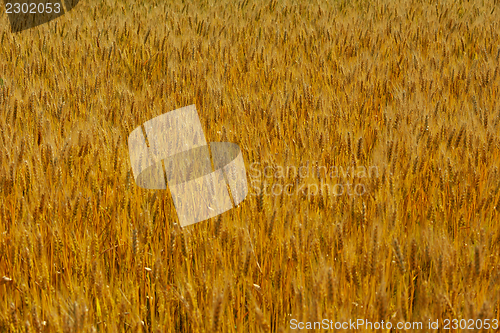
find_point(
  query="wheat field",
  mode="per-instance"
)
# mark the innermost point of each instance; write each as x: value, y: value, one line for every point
x: 406, y: 88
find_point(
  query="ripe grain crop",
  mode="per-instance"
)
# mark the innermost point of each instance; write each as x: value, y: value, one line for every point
x: 411, y: 87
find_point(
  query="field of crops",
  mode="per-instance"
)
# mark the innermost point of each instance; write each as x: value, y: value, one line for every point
x: 389, y: 108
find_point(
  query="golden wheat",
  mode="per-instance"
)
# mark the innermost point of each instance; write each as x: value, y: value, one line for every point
x: 408, y: 87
